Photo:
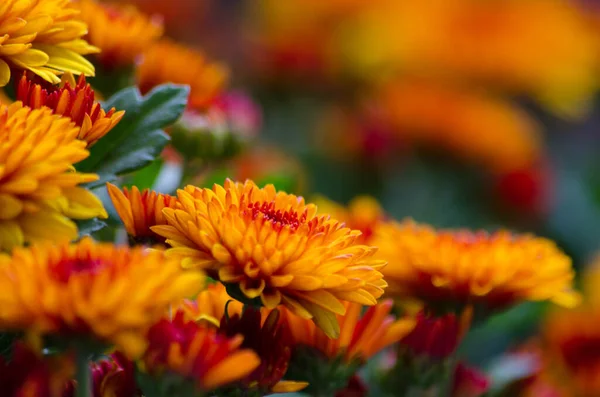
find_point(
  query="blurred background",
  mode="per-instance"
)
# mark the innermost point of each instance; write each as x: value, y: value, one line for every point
x: 457, y: 113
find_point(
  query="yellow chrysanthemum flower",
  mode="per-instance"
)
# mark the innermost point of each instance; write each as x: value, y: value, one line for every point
x: 38, y: 188
x: 460, y: 267
x: 169, y: 62
x: 44, y: 37
x: 120, y: 31
x: 362, y: 213
x: 88, y: 290
x: 141, y: 210
x: 271, y: 246
x: 361, y: 336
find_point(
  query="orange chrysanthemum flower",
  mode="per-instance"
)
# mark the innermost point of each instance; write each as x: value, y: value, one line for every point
x: 141, y: 210
x: 169, y: 62
x: 44, y: 37
x: 39, y: 192
x: 271, y: 246
x: 210, y: 305
x: 361, y: 336
x: 363, y: 213
x: 86, y: 290
x: 76, y: 102
x: 198, y: 353
x: 458, y: 267
x: 120, y: 31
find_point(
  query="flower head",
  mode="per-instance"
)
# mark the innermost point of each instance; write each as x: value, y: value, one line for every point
x: 454, y: 268
x: 44, y: 37
x: 101, y: 292
x: 76, y: 102
x: 120, y: 31
x: 141, y: 210
x: 272, y: 248
x: 362, y: 213
x: 197, y: 353
x: 168, y: 62
x: 37, y: 183
x: 361, y: 336
x: 271, y: 341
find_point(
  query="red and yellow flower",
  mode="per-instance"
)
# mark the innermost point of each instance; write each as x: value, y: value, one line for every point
x: 44, y: 37
x: 197, y: 352
x: 88, y: 290
x: 459, y: 267
x: 141, y: 210
x: 272, y: 247
x: 271, y: 341
x: 361, y: 336
x: 38, y: 185
x: 169, y: 62
x: 76, y: 101
x: 120, y: 31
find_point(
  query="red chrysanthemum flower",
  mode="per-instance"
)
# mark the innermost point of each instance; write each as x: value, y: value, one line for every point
x: 76, y: 101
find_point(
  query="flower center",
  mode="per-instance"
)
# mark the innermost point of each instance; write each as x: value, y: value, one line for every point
x: 277, y: 217
x: 66, y: 268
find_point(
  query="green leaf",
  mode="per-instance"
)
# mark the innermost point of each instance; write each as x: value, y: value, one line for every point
x: 139, y: 138
x: 89, y: 226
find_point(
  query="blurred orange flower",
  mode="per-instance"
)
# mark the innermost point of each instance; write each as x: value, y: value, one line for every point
x: 362, y: 213
x: 120, y: 31
x: 169, y: 62
x: 470, y: 125
x: 503, y: 44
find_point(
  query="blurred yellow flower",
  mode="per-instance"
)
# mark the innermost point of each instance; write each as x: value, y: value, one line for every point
x: 169, y: 62
x: 141, y: 210
x: 471, y: 125
x: 361, y: 336
x: 503, y: 44
x: 454, y: 268
x: 38, y: 187
x: 88, y: 290
x: 120, y: 31
x: 362, y: 213
x: 44, y: 37
x: 76, y: 101
x: 272, y: 247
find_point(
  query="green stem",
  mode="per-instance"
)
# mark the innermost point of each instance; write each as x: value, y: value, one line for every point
x: 83, y: 375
